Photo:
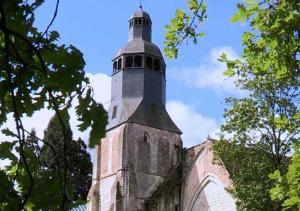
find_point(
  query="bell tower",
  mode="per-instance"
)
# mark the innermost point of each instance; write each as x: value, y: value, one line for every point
x: 140, y: 154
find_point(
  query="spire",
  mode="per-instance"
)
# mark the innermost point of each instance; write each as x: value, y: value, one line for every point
x: 141, y: 7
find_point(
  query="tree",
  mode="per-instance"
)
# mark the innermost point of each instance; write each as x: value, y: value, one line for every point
x: 267, y: 119
x: 183, y: 27
x: 80, y: 170
x: 287, y: 187
x: 248, y: 168
x: 34, y: 69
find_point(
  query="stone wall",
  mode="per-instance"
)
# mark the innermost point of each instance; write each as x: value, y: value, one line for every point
x: 205, y: 182
x: 135, y: 163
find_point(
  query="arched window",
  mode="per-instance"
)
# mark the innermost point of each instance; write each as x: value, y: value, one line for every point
x: 149, y: 62
x: 129, y: 61
x: 156, y: 64
x: 144, y: 22
x: 120, y: 64
x: 114, y: 66
x: 135, y: 22
x: 137, y: 61
x: 146, y: 137
x: 140, y: 22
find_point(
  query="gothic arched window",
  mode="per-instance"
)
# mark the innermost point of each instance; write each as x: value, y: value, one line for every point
x: 149, y: 62
x: 114, y: 66
x: 137, y: 61
x: 156, y: 64
x: 120, y: 64
x: 129, y: 61
x: 146, y: 137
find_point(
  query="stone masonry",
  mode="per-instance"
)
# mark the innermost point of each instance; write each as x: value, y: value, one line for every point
x: 140, y: 164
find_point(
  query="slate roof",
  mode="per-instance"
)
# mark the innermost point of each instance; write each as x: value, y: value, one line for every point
x: 139, y: 46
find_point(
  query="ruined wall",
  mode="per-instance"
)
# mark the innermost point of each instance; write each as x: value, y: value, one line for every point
x: 205, y: 182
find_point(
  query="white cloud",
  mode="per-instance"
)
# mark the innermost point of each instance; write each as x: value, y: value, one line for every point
x: 195, y: 126
x: 209, y: 75
x: 101, y: 85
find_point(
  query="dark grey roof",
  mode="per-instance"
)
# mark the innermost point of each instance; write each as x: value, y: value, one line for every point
x: 140, y: 14
x: 139, y: 46
x: 159, y: 119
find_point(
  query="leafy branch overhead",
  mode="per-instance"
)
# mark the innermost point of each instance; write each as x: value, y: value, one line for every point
x: 36, y: 72
x: 184, y: 27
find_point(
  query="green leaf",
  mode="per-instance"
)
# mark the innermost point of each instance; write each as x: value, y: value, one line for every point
x: 28, y: 206
x: 8, y: 132
x: 6, y: 151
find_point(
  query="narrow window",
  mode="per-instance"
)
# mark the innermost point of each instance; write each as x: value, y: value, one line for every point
x: 129, y: 61
x: 176, y: 208
x: 146, y: 137
x: 114, y: 113
x: 114, y: 66
x: 135, y: 22
x: 140, y: 22
x: 144, y: 22
x: 137, y: 61
x: 149, y: 62
x: 156, y: 64
x: 120, y: 64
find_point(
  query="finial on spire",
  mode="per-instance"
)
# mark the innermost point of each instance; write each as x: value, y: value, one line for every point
x: 141, y: 7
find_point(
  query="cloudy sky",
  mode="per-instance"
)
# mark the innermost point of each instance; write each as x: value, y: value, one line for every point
x: 196, y: 87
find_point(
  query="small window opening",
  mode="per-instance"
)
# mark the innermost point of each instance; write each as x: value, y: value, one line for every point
x: 120, y: 64
x: 144, y: 22
x: 147, y: 22
x: 146, y: 137
x: 140, y: 22
x: 137, y: 61
x: 135, y: 22
x: 114, y: 66
x: 129, y: 61
x: 156, y: 64
x: 176, y: 208
x: 114, y: 113
x: 149, y: 62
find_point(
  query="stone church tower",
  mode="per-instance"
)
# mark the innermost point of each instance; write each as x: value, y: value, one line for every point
x: 140, y: 165
x: 141, y: 151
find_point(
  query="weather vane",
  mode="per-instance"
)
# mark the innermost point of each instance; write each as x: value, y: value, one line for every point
x: 141, y: 7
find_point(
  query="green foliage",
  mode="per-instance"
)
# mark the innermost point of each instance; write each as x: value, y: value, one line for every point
x: 267, y: 119
x: 79, y: 161
x: 249, y: 169
x: 37, y: 72
x: 183, y: 27
x: 287, y: 187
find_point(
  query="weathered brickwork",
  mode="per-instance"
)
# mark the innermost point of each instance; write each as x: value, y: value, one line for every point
x: 135, y: 161
x: 205, y: 182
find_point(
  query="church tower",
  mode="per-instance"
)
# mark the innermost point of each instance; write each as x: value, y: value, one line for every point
x: 140, y: 156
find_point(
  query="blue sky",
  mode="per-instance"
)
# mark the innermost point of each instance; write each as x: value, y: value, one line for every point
x: 195, y: 86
